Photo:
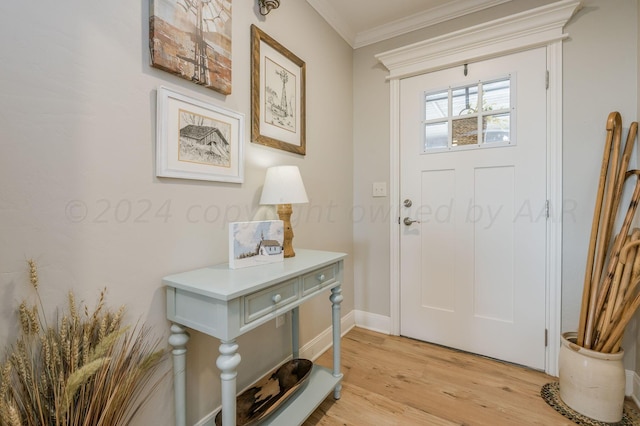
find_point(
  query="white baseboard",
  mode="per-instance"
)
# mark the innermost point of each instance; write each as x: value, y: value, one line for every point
x: 373, y: 322
x: 323, y: 341
x: 634, y: 381
x: 209, y: 419
x: 312, y: 350
x: 629, y: 380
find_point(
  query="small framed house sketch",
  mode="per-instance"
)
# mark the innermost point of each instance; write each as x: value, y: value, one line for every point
x: 198, y: 140
x: 255, y: 243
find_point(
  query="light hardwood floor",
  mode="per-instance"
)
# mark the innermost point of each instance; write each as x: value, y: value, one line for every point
x: 391, y: 380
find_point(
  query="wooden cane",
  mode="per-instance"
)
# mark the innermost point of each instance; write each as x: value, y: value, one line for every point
x: 602, y: 241
x: 616, y: 347
x: 626, y: 154
x: 598, y: 329
x: 622, y: 170
x: 618, y: 286
x: 617, y: 333
x: 620, y: 294
x: 628, y: 295
x: 613, y: 260
x: 611, y: 297
x: 626, y: 305
x: 620, y: 179
x: 610, y: 221
x: 629, y: 257
x: 635, y: 272
x: 588, y: 275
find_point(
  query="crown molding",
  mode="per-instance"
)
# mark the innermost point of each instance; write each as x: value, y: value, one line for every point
x: 525, y: 30
x: 445, y: 12
x: 432, y: 16
x: 335, y: 20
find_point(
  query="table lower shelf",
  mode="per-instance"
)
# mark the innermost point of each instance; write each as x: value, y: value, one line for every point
x: 299, y: 407
x: 304, y: 402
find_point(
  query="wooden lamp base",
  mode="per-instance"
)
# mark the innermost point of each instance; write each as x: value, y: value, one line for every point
x: 284, y: 213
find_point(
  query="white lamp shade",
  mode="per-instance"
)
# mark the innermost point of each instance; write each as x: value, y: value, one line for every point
x: 283, y: 185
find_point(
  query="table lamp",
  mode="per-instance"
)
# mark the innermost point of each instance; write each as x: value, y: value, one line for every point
x: 283, y: 186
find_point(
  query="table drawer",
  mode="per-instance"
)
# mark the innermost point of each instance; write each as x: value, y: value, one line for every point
x: 318, y: 279
x: 263, y: 302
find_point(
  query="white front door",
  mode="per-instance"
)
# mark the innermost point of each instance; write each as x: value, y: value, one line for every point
x: 473, y: 264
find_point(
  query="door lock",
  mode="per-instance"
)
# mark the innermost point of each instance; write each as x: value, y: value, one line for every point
x: 408, y: 221
x: 407, y: 203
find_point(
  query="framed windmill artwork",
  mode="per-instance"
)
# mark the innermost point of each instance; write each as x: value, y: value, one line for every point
x: 192, y: 39
x: 277, y: 95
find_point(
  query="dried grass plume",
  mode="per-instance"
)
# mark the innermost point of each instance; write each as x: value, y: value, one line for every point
x: 85, y: 369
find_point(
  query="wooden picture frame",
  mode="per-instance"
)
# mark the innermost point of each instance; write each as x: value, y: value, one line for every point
x: 198, y: 140
x: 192, y: 39
x: 278, y: 79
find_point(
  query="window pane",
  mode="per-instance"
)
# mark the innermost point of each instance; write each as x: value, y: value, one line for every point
x: 436, y: 135
x: 496, y: 95
x: 465, y: 131
x: 496, y: 128
x: 465, y: 100
x: 436, y: 105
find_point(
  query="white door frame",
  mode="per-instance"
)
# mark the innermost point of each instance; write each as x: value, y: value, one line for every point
x: 538, y: 27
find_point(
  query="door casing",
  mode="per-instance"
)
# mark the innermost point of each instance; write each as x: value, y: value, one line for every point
x: 537, y: 27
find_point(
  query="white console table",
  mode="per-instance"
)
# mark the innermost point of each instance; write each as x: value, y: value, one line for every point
x: 226, y: 303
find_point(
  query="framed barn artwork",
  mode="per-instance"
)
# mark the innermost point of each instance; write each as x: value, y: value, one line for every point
x: 277, y: 95
x: 197, y: 140
x: 192, y: 39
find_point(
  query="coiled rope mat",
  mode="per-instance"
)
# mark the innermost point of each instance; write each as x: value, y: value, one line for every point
x: 551, y: 394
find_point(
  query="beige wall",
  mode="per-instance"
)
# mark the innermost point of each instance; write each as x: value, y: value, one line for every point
x: 77, y: 120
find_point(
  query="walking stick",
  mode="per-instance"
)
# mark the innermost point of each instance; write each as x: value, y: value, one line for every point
x: 615, y: 254
x: 612, y: 122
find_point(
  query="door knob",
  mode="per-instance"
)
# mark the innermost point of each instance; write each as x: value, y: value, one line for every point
x: 408, y: 221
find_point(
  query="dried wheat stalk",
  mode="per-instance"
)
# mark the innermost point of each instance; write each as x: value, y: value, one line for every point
x: 85, y: 369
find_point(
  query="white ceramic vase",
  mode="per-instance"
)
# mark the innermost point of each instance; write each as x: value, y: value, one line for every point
x: 591, y: 383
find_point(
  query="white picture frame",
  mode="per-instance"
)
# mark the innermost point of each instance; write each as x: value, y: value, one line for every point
x: 255, y: 243
x: 198, y: 140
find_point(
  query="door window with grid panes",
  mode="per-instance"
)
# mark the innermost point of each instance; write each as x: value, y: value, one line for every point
x: 480, y: 115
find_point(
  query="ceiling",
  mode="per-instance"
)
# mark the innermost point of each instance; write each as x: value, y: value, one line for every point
x: 363, y: 22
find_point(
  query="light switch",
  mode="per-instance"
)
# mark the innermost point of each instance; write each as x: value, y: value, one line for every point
x: 379, y: 189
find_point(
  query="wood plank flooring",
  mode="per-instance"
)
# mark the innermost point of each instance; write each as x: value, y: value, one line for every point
x: 391, y: 380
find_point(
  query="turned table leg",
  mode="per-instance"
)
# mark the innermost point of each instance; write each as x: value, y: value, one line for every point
x: 336, y: 298
x: 178, y: 339
x: 228, y: 362
x: 295, y: 332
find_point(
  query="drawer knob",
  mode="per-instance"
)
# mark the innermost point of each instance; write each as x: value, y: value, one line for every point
x: 321, y: 277
x: 276, y: 298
